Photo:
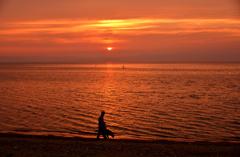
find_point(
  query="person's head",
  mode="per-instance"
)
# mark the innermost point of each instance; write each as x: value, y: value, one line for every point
x: 103, y: 113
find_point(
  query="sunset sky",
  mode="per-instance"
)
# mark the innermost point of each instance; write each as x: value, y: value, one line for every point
x: 137, y: 30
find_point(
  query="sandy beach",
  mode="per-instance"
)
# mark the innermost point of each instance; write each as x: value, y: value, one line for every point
x: 29, y: 145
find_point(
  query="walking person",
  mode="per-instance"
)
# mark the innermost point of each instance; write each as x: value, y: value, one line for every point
x: 101, y: 126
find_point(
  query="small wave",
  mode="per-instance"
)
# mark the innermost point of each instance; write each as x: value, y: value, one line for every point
x: 194, y: 96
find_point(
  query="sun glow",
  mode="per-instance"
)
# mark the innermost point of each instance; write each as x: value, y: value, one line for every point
x: 109, y: 48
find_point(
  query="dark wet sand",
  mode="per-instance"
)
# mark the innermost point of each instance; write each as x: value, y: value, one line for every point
x: 50, y: 146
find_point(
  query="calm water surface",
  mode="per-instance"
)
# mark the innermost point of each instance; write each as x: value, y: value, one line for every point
x: 184, y: 101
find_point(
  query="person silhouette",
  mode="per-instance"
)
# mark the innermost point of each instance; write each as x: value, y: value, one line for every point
x: 101, y: 126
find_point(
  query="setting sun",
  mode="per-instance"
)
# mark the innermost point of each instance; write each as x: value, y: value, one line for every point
x: 109, y: 48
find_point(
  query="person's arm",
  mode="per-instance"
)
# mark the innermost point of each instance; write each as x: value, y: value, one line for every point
x: 101, y: 122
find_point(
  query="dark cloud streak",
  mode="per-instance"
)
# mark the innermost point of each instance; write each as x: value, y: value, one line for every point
x: 27, y: 10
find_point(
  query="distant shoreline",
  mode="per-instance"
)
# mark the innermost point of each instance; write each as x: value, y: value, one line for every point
x: 15, y: 135
x: 113, y: 62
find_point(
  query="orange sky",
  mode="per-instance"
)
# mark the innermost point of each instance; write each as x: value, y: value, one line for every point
x: 138, y: 30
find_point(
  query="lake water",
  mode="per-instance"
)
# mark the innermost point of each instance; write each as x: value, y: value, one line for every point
x: 167, y: 101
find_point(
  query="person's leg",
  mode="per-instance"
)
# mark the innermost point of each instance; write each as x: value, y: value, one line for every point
x: 99, y: 132
x: 104, y: 134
